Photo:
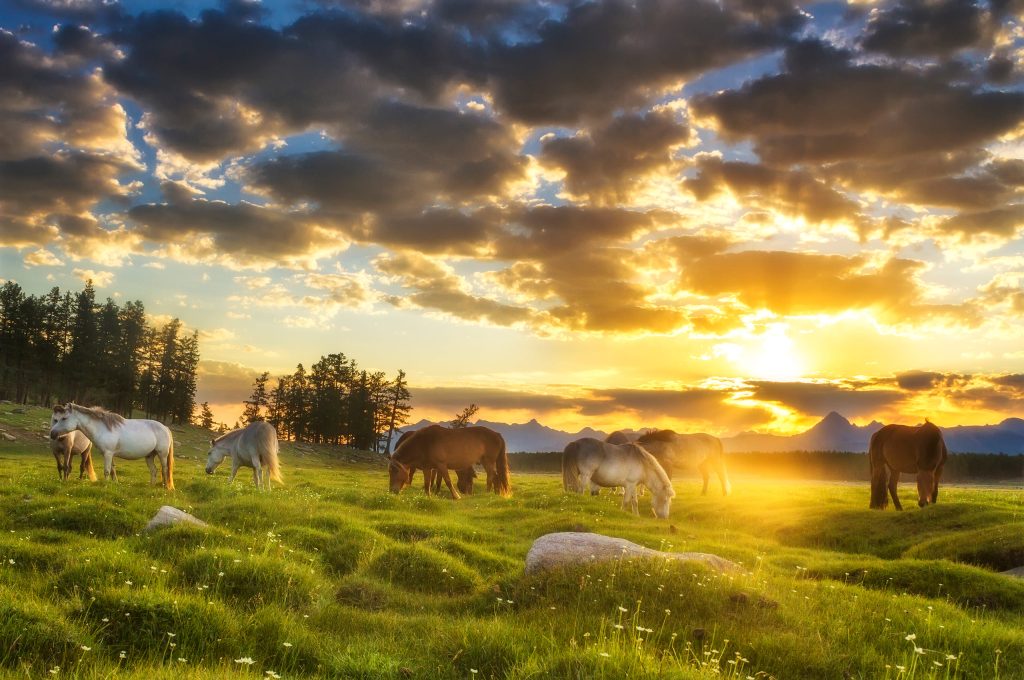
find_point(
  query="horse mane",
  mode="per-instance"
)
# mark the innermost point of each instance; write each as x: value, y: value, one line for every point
x: 657, y: 436
x: 228, y: 435
x: 108, y: 418
x: 652, y: 464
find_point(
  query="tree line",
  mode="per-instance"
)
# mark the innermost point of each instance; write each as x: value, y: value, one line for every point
x: 333, y: 403
x: 65, y: 346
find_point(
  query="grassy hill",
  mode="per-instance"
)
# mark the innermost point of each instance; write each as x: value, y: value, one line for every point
x: 331, y: 576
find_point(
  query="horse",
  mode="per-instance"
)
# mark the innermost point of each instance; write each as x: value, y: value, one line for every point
x: 254, y: 446
x: 675, y: 451
x: 67, y: 446
x: 590, y: 461
x: 441, y: 448
x: 465, y: 475
x: 618, y: 437
x: 905, y: 448
x: 114, y: 435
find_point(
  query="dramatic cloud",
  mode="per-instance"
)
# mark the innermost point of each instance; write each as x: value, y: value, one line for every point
x: 819, y: 398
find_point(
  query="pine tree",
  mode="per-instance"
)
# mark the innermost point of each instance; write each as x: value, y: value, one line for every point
x: 462, y: 419
x: 206, y: 416
x: 400, y: 408
x: 257, y: 401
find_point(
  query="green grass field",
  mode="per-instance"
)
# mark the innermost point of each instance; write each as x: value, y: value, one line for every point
x: 331, y: 576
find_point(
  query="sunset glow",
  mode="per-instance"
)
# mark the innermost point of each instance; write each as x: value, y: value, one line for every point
x: 698, y: 215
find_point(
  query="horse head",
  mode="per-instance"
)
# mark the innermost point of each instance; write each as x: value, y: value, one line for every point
x: 63, y: 420
x: 216, y: 455
x: 399, y: 475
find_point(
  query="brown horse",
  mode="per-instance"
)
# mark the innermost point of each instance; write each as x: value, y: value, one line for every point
x: 66, y: 447
x: 618, y: 438
x: 675, y: 451
x: 904, y: 448
x: 440, y: 449
x: 465, y: 475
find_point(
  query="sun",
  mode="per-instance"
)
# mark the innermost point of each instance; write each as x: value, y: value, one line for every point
x: 772, y: 356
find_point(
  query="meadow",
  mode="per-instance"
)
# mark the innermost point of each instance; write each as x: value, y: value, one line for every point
x: 332, y: 576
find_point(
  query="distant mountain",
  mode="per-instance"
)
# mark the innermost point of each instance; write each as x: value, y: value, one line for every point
x: 528, y: 437
x: 832, y: 433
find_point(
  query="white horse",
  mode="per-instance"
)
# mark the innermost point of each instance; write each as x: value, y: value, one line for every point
x: 255, y: 446
x: 588, y: 461
x: 117, y: 436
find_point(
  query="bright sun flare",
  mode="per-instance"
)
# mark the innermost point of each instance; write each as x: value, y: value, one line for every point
x: 772, y: 356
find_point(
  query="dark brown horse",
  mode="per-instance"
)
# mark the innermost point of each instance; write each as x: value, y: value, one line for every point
x: 903, y: 448
x: 465, y: 475
x: 441, y: 449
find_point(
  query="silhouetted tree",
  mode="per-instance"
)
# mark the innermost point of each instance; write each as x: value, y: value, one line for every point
x: 462, y: 419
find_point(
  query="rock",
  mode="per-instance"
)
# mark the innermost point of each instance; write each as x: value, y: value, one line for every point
x: 168, y: 515
x: 570, y: 548
x: 1016, y: 572
x: 8, y: 436
x: 19, y: 410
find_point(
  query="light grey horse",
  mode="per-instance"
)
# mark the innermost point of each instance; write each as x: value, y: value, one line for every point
x: 254, y: 446
x: 591, y: 461
x: 65, y: 447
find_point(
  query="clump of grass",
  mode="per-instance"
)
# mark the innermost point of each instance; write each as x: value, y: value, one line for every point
x: 248, y: 579
x: 35, y: 636
x: 170, y: 542
x: 155, y: 624
x: 422, y: 569
x: 108, y: 567
x: 999, y: 547
x: 98, y: 519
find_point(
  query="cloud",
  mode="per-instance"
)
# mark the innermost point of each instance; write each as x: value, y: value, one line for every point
x: 222, y: 382
x: 916, y: 28
x: 100, y: 279
x: 42, y: 258
x: 607, y: 164
x: 819, y: 398
x: 696, y: 405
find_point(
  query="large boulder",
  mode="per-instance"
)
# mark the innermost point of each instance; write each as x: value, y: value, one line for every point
x: 565, y: 548
x: 169, y: 515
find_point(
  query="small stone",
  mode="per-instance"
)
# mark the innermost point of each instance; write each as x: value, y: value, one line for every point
x: 8, y: 436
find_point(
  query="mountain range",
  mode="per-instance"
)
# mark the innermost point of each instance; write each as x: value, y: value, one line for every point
x: 832, y: 433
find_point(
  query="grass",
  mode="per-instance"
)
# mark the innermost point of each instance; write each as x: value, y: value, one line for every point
x: 331, y: 576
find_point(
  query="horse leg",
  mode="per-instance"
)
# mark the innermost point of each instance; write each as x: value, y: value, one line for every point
x: 629, y: 498
x: 108, y: 466
x: 151, y: 462
x: 925, y: 487
x: 442, y: 470
x: 437, y: 484
x: 428, y: 480
x: 257, y: 472
x: 491, y: 468
x: 594, y: 489
x: 723, y: 475
x: 585, y: 482
x: 935, y: 490
x: 704, y: 468
x: 894, y: 480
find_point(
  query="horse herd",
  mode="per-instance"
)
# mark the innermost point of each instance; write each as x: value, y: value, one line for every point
x: 588, y: 464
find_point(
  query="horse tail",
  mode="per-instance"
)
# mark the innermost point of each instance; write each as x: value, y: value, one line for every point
x: 879, y: 478
x: 502, y: 483
x: 88, y: 462
x: 271, y: 460
x: 571, y: 468
x: 170, y: 462
x: 720, y: 469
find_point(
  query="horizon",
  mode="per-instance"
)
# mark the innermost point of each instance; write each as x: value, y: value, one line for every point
x: 588, y: 214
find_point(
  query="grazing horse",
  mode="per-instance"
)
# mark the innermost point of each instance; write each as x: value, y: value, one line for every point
x: 590, y: 461
x: 440, y: 449
x: 254, y: 446
x: 618, y: 437
x: 67, y: 446
x: 115, y: 435
x: 465, y: 475
x: 904, y: 448
x: 675, y: 451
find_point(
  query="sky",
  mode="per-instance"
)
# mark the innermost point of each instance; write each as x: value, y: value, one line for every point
x: 718, y: 216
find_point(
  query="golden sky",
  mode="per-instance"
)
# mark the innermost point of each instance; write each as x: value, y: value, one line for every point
x: 701, y: 215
